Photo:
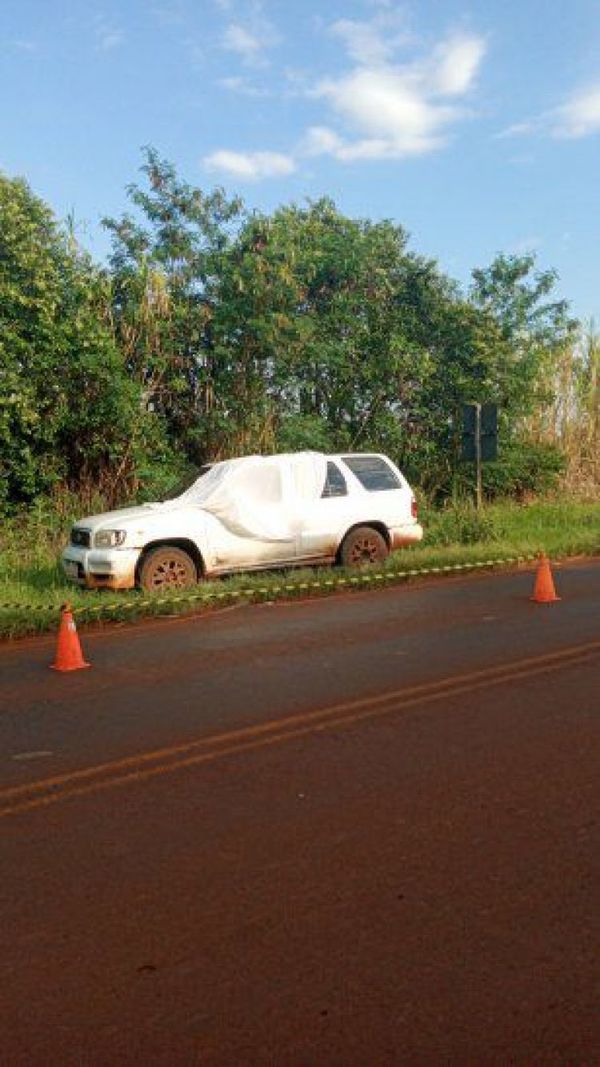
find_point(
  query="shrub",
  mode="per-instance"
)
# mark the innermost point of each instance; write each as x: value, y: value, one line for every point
x: 525, y: 468
x: 459, y: 523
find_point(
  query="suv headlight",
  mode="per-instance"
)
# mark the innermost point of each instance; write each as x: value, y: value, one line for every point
x: 109, y: 538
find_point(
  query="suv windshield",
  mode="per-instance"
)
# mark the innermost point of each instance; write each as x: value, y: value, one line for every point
x: 187, y: 481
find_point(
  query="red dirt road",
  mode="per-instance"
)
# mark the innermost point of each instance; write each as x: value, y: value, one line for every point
x: 361, y: 831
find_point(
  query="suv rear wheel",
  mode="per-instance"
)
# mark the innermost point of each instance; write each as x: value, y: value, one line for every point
x: 363, y: 546
x: 167, y: 567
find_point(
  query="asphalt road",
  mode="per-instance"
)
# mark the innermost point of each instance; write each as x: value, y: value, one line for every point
x: 356, y: 831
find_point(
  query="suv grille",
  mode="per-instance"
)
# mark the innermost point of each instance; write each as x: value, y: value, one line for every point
x: 80, y: 537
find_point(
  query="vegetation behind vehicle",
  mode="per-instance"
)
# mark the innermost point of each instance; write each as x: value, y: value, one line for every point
x: 214, y: 331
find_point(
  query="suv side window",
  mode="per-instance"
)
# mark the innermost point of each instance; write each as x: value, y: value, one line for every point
x: 335, y: 483
x: 373, y: 473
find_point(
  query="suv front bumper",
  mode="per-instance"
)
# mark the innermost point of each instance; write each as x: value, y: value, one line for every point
x: 95, y: 568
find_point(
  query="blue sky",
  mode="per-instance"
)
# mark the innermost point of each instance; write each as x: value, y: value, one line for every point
x: 476, y: 126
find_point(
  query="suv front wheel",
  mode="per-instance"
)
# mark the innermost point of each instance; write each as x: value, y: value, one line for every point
x: 167, y: 567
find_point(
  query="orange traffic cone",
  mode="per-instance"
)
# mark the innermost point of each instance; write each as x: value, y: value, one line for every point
x: 544, y: 591
x: 68, y: 650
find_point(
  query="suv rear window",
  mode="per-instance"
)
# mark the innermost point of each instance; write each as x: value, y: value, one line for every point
x: 335, y: 483
x: 373, y: 473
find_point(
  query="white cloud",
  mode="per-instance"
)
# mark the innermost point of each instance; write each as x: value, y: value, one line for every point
x: 237, y: 39
x: 320, y: 140
x: 518, y: 129
x: 111, y: 39
x: 385, y: 105
x: 371, y: 43
x: 455, y: 63
x: 24, y: 45
x: 403, y: 109
x: 384, y: 110
x: 579, y: 116
x: 237, y: 84
x: 107, y: 35
x: 251, y: 40
x: 250, y: 165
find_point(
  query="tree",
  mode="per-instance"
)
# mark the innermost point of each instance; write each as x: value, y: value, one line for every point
x: 534, y: 328
x: 30, y: 292
x: 341, y: 338
x: 65, y: 398
x: 165, y: 265
x: 537, y: 332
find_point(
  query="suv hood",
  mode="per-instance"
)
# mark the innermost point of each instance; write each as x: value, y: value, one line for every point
x: 125, y: 517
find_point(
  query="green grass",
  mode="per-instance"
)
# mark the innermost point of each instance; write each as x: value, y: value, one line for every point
x: 32, y: 586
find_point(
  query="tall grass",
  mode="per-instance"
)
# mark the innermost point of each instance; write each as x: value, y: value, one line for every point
x: 571, y: 420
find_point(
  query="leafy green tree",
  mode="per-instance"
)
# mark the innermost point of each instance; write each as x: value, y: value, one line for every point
x: 31, y: 400
x: 106, y: 434
x: 67, y: 403
x: 534, y: 326
x: 165, y: 264
x: 308, y: 307
x: 537, y: 331
x: 339, y: 337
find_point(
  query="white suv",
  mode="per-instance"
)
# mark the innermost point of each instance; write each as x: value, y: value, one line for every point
x: 253, y: 513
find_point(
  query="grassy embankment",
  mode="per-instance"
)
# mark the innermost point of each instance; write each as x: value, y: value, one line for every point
x: 32, y: 586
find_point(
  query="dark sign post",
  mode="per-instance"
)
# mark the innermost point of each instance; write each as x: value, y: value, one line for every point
x: 480, y: 439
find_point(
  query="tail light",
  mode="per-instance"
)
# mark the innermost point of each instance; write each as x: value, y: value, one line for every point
x: 414, y: 510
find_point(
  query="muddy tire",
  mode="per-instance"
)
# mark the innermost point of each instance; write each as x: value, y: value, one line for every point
x: 363, y: 547
x: 166, y: 568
